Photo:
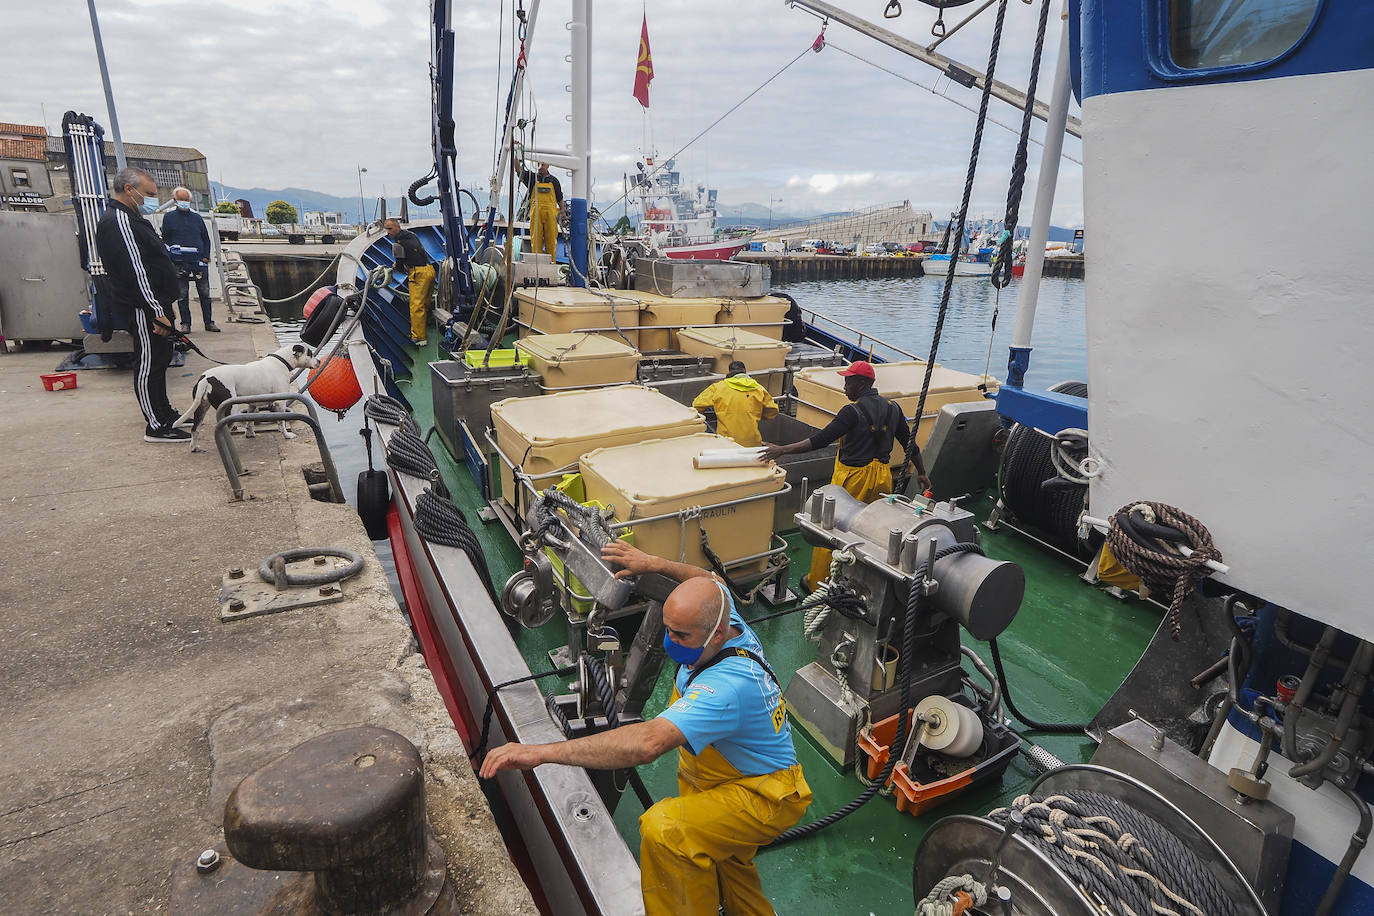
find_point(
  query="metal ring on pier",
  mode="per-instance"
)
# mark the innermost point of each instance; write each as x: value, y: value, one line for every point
x: 338, y: 574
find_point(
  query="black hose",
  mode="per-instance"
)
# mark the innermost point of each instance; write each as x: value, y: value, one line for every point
x: 1065, y: 728
x: 419, y: 183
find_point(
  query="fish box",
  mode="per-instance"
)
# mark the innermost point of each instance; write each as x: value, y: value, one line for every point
x: 460, y: 392
x: 820, y: 393
x: 682, y: 277
x: 579, y: 360
x: 655, y: 478
x: 726, y: 344
x: 765, y: 315
x: 566, y: 309
x: 546, y: 434
x: 661, y: 317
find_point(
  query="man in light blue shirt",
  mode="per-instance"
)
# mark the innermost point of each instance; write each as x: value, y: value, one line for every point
x: 739, y: 781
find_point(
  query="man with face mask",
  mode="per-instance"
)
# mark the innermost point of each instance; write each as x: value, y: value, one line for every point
x: 185, y: 228
x: 139, y: 286
x: 866, y: 428
x: 738, y: 776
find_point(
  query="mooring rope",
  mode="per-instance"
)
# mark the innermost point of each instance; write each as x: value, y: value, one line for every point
x: 1138, y: 537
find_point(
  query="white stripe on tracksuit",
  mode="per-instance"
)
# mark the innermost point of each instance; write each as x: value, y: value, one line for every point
x: 145, y: 350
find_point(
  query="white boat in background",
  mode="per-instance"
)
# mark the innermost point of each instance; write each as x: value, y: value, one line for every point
x: 966, y: 266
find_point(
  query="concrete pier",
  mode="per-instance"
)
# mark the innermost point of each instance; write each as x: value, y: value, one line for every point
x: 791, y: 268
x: 130, y: 711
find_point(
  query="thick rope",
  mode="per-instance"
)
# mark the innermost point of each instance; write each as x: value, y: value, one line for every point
x: 439, y: 521
x: 1122, y: 856
x: 940, y: 901
x: 1162, y: 570
x: 963, y: 219
x: 1002, y: 267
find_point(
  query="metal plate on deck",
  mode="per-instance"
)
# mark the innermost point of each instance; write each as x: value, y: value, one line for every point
x: 248, y: 596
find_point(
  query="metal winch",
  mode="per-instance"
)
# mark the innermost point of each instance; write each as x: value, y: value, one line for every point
x: 859, y: 613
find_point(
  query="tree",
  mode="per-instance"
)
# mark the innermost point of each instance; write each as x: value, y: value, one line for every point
x: 227, y: 206
x: 279, y: 211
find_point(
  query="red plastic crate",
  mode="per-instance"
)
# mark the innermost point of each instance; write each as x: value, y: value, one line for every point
x: 58, y: 381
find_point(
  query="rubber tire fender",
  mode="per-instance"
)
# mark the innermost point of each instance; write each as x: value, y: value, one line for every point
x: 374, y: 499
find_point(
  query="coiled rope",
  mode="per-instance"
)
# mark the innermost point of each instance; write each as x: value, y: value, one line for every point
x: 1121, y: 856
x: 439, y: 521
x: 1145, y: 550
x: 940, y: 901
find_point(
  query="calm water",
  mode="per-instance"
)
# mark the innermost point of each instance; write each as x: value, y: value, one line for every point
x: 902, y: 312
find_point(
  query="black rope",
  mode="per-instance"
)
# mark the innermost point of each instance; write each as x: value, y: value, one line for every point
x: 905, y: 664
x: 596, y: 670
x: 407, y: 453
x: 963, y: 218
x: 1118, y: 869
x: 383, y: 408
x: 1002, y: 266
x: 481, y: 747
x: 1064, y: 728
x: 439, y: 521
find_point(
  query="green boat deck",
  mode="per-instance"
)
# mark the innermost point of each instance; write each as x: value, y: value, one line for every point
x: 1069, y: 648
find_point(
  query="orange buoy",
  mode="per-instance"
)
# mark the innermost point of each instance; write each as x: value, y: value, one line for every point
x: 315, y: 299
x: 334, y: 386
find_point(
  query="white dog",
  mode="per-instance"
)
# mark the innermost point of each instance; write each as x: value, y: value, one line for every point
x: 269, y: 375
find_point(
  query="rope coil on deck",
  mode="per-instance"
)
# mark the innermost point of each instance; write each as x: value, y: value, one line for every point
x: 1144, y: 549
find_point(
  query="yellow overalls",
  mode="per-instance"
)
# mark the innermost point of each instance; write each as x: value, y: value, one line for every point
x: 865, y: 484
x: 421, y: 281
x: 697, y: 850
x: 544, y: 219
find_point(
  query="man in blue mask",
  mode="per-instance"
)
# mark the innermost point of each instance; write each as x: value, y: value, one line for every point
x: 738, y: 776
x: 185, y: 228
x: 139, y: 285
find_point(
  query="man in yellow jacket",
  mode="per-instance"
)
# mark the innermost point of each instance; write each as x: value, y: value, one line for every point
x: 867, y: 429
x: 739, y: 402
x: 739, y: 783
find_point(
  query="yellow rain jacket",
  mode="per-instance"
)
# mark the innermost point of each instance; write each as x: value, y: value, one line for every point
x: 739, y: 402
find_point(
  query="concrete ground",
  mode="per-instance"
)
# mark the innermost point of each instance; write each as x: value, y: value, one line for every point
x: 130, y: 711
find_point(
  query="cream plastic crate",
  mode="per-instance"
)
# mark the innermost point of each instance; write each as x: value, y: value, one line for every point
x: 579, y: 360
x: 567, y: 309
x: 764, y: 315
x: 725, y: 344
x: 657, y: 477
x: 551, y: 432
x: 661, y: 317
x: 820, y: 393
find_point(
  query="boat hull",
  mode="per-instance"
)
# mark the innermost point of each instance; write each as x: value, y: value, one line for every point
x: 708, y: 251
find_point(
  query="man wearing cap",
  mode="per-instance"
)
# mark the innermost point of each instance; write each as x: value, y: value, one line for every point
x: 739, y: 402
x: 867, y: 429
x: 739, y: 783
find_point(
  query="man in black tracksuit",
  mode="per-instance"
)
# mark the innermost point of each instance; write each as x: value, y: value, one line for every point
x: 140, y: 285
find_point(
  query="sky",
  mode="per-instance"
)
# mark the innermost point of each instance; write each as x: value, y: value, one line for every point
x: 302, y: 93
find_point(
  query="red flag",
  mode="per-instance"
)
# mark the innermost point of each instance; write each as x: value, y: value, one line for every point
x: 644, y: 69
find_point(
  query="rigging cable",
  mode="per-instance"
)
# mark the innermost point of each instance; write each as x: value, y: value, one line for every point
x: 1002, y: 266
x: 959, y: 234
x: 948, y: 98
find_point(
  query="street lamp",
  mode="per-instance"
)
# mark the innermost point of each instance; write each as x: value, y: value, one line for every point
x: 771, y: 201
x: 362, y: 207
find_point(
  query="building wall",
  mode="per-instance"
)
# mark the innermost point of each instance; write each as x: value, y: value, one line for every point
x: 38, y: 182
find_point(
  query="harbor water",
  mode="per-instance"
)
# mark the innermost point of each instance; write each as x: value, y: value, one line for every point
x: 901, y: 312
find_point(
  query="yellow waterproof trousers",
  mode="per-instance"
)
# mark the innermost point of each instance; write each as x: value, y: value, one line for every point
x: 421, y: 288
x: 544, y: 220
x: 697, y: 850
x: 865, y: 484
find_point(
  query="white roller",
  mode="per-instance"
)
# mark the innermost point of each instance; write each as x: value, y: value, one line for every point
x: 727, y: 458
x: 951, y: 728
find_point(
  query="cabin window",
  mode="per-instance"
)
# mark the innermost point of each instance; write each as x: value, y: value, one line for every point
x: 1211, y: 34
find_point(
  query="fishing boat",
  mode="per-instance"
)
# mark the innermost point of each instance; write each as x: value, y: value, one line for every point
x: 1141, y: 633
x: 678, y: 223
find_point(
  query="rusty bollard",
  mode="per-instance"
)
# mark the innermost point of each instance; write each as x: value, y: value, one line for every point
x: 348, y: 806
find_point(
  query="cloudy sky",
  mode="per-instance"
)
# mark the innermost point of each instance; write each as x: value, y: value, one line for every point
x: 299, y: 93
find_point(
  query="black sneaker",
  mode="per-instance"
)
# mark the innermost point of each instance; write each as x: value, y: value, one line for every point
x: 211, y: 326
x: 165, y: 435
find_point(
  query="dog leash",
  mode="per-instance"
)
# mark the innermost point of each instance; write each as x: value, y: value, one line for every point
x: 181, y: 338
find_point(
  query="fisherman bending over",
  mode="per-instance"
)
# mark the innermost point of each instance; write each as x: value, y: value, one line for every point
x: 739, y: 402
x: 740, y: 783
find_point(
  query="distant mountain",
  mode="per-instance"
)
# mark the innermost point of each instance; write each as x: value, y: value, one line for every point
x: 304, y: 199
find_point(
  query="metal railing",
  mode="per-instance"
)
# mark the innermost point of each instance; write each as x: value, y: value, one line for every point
x: 812, y: 317
x: 228, y: 454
